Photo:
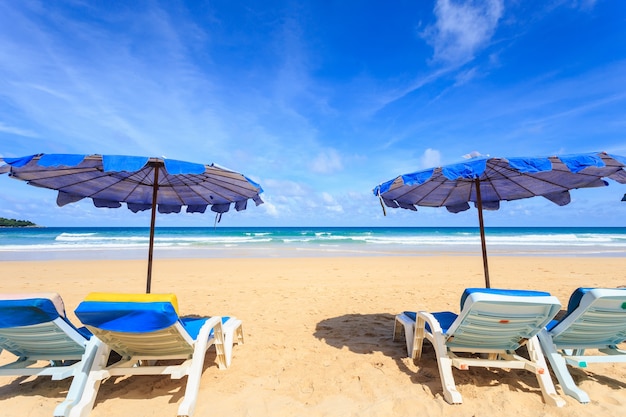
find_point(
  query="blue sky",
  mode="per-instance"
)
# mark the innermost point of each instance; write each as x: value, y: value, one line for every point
x: 318, y: 101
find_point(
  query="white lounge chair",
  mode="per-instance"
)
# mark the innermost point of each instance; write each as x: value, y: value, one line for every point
x: 146, y: 328
x: 34, y: 328
x: 596, y: 320
x: 492, y: 324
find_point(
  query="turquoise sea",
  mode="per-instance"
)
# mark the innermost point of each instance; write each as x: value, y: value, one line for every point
x: 179, y: 242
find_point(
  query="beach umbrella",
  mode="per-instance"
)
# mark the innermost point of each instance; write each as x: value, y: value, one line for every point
x: 485, y: 181
x: 143, y: 183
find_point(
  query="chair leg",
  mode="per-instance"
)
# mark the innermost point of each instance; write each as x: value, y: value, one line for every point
x: 91, y: 386
x: 188, y: 405
x: 543, y: 376
x: 402, y: 322
x: 418, y: 339
x: 94, y: 349
x: 220, y: 349
x: 450, y: 393
x: 444, y: 362
x: 559, y: 366
x: 231, y: 329
x: 239, y: 333
x: 397, y: 329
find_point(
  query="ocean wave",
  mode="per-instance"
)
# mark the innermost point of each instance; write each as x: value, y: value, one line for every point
x: 67, y: 235
x: 388, y: 240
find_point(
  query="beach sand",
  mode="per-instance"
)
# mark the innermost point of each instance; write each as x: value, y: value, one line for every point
x: 318, y: 336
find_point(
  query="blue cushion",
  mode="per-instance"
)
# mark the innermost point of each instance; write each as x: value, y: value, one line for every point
x: 551, y: 324
x: 30, y: 311
x: 85, y: 332
x: 127, y: 316
x: 445, y: 319
x: 193, y: 324
x: 515, y: 293
x: 574, y: 299
x: 574, y: 302
x: 26, y: 312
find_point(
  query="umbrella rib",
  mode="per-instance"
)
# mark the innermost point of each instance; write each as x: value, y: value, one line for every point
x: 190, y: 188
x: 508, y: 169
x: 165, y: 183
x: 208, y: 183
x: 233, y: 188
x: 65, y: 174
x: 62, y: 173
x: 182, y: 189
x: 58, y: 173
x: 408, y: 192
x: 465, y: 180
x: 137, y: 184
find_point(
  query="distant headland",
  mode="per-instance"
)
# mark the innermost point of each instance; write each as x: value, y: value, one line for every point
x: 16, y: 223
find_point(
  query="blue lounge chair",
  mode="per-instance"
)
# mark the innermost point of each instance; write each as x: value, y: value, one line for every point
x: 596, y: 320
x: 146, y: 328
x: 34, y: 328
x: 492, y: 324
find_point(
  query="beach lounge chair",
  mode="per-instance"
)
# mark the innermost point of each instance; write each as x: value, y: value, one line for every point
x: 145, y: 329
x: 491, y: 326
x: 596, y: 320
x: 34, y: 328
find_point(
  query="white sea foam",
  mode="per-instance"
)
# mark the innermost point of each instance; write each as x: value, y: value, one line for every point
x: 279, y: 241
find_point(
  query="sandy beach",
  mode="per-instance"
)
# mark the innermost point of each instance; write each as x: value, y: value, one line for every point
x: 318, y: 335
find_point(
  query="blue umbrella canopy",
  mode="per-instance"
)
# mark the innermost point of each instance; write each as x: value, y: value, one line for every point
x: 142, y: 183
x: 486, y: 181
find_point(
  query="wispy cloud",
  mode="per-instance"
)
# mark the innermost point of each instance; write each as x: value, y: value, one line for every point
x: 331, y: 204
x: 459, y: 32
x: 326, y: 162
x: 96, y: 86
x: 17, y: 131
x: 462, y: 29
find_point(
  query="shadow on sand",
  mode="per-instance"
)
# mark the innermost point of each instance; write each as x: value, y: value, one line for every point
x: 368, y: 333
x: 124, y: 387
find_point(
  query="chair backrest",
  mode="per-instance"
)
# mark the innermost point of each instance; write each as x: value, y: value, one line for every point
x: 136, y: 324
x: 500, y: 319
x: 34, y: 325
x: 596, y: 318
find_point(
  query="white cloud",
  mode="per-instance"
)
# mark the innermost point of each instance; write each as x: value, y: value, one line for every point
x: 285, y: 188
x: 330, y: 203
x: 462, y: 28
x: 430, y: 158
x: 327, y: 162
x: 270, y: 209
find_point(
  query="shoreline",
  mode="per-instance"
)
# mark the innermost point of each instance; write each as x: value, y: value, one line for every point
x: 277, y: 252
x: 119, y: 243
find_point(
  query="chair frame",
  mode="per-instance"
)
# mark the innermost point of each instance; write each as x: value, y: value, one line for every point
x: 141, y: 351
x: 448, y: 344
x: 69, y: 353
x: 598, y: 322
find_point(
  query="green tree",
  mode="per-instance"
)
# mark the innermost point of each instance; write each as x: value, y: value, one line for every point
x: 15, y: 223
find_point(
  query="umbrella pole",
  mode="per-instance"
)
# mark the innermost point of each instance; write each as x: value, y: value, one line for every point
x: 479, y: 206
x: 155, y: 189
